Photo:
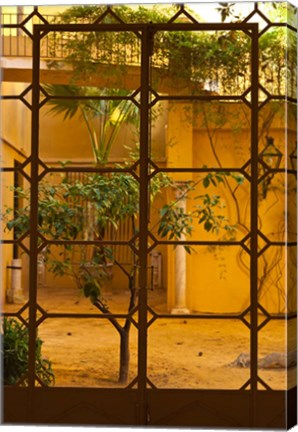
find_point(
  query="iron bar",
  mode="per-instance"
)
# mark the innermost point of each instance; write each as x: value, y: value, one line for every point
x: 75, y: 315
x: 88, y: 169
x: 198, y: 316
x: 199, y: 97
x: 15, y: 241
x: 197, y: 170
x: 199, y: 243
x: 120, y: 26
x: 11, y: 26
x: 61, y: 315
x: 87, y: 242
x: 143, y: 236
x: 81, y: 97
x: 143, y: 27
x: 4, y: 97
x: 274, y: 24
x: 33, y: 266
x: 254, y: 225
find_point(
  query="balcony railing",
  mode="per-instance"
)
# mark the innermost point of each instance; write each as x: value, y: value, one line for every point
x: 16, y: 42
x: 124, y: 49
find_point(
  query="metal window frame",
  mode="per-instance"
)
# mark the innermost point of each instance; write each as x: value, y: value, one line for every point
x: 144, y: 399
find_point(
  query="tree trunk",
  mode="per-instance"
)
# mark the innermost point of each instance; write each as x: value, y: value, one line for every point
x: 124, y: 355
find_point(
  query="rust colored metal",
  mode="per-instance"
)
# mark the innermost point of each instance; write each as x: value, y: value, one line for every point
x: 144, y: 398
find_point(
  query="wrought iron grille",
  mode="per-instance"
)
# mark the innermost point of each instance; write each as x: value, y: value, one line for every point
x: 255, y: 89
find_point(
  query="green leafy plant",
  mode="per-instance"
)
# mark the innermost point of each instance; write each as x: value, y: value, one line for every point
x: 220, y: 59
x: 15, y: 354
x: 108, y: 200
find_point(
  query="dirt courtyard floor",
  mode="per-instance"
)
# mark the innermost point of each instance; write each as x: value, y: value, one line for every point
x: 182, y: 353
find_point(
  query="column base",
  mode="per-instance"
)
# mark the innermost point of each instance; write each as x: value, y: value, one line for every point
x: 180, y: 311
x: 18, y: 297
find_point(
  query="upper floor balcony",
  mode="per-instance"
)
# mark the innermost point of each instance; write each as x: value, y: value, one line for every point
x: 177, y: 62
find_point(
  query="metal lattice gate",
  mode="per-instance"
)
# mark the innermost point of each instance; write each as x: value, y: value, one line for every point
x: 143, y: 402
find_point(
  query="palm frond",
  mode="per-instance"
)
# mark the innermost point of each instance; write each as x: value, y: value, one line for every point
x: 59, y: 101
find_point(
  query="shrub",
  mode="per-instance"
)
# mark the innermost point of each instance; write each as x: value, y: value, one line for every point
x: 15, y: 354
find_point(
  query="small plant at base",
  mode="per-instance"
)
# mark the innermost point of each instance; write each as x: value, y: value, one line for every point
x: 15, y: 352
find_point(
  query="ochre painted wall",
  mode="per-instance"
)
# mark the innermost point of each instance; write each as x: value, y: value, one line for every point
x: 8, y: 157
x: 217, y: 278
x: 15, y: 146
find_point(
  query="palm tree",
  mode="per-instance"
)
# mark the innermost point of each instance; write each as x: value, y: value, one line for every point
x: 102, y: 116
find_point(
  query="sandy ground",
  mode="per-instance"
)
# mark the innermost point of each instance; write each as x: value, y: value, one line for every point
x: 182, y: 353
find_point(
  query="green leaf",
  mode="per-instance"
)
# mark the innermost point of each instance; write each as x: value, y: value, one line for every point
x: 207, y: 226
x: 15, y: 349
x: 188, y: 249
x: 206, y: 182
x: 164, y: 210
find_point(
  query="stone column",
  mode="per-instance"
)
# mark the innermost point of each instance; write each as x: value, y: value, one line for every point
x: 16, y: 281
x: 180, y: 264
x: 179, y: 154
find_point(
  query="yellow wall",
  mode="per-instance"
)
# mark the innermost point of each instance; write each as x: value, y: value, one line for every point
x: 60, y: 141
x: 15, y: 118
x: 217, y: 278
x: 8, y: 156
